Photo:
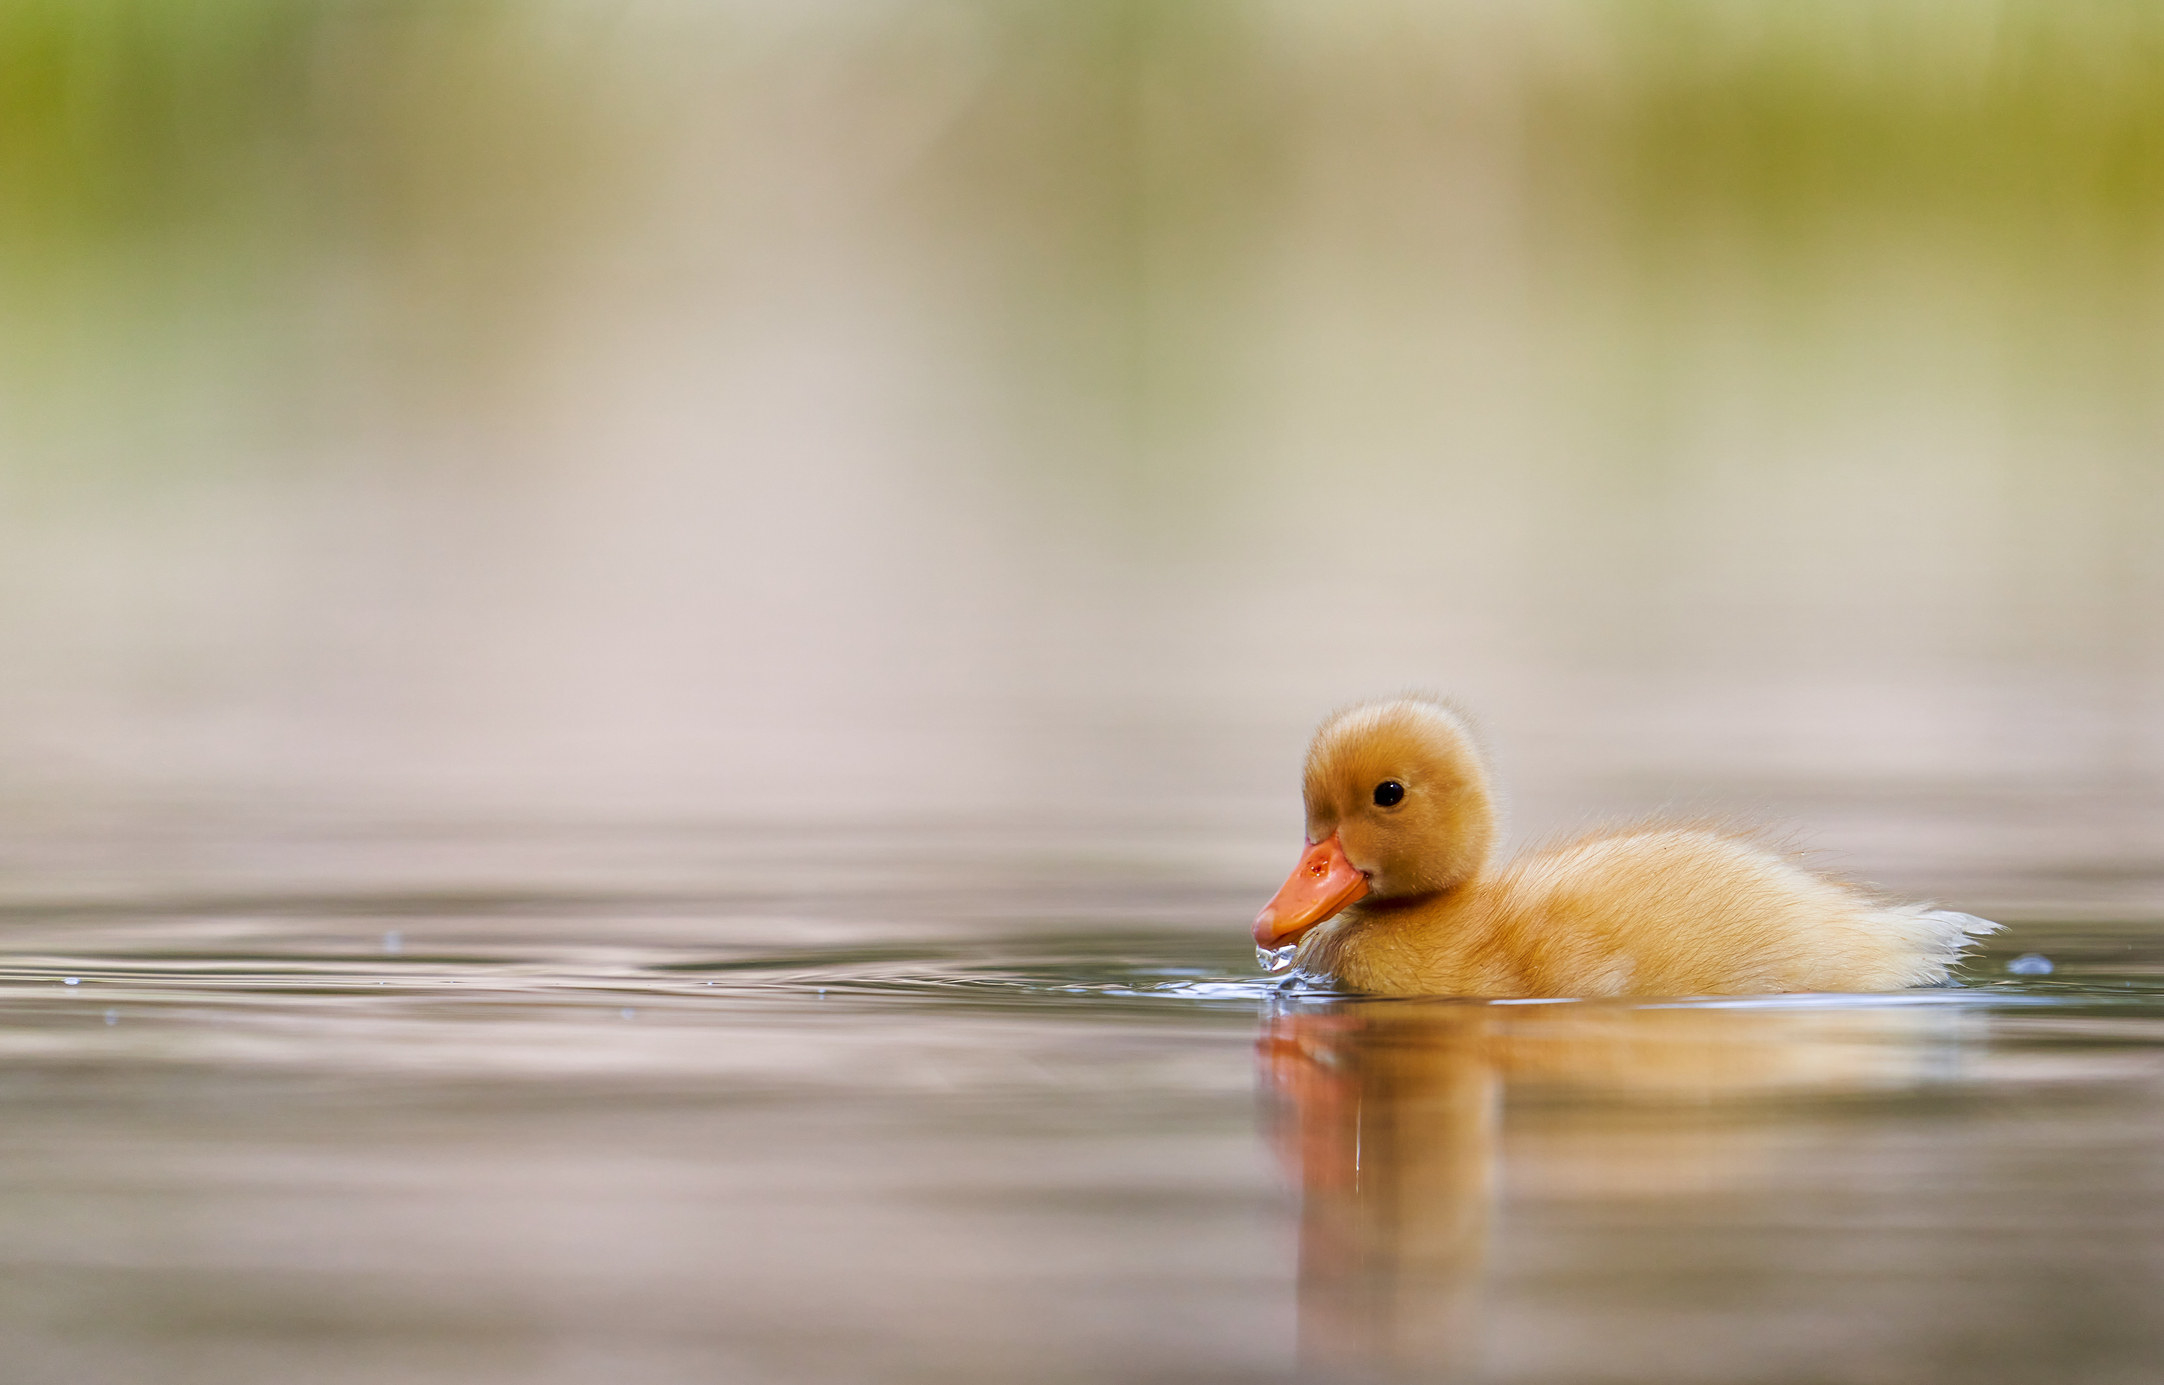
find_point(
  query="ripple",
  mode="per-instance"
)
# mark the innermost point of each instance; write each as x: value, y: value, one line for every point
x: 570, y: 959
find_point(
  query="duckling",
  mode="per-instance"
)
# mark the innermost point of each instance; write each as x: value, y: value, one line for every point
x: 1397, y: 894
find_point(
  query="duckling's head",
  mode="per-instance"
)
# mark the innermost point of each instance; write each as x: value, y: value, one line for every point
x: 1397, y: 808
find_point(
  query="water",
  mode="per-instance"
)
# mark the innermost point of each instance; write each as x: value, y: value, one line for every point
x: 652, y: 657
x: 979, y: 1111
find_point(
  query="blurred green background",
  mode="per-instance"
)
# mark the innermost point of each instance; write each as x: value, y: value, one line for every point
x: 874, y: 411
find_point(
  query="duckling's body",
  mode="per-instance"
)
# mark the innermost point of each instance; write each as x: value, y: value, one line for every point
x: 1674, y: 911
x: 1396, y: 896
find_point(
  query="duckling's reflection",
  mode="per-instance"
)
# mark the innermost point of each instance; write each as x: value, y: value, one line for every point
x: 1386, y: 1114
x: 1389, y: 1116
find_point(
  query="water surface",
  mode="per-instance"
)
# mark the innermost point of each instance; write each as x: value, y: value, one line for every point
x: 971, y: 1111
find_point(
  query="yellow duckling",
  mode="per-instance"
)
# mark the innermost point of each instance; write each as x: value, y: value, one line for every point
x: 1395, y: 894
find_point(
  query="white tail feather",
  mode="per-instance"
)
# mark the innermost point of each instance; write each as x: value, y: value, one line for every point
x: 1940, y: 937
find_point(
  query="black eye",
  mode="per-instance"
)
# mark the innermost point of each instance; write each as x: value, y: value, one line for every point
x: 1389, y: 793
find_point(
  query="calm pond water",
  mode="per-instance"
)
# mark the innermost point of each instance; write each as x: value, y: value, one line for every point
x: 968, y: 1109
x: 687, y: 416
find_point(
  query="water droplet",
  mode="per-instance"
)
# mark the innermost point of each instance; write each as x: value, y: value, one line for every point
x: 72, y: 981
x: 394, y: 941
x: 112, y: 1017
x: 2030, y: 964
x: 1275, y: 959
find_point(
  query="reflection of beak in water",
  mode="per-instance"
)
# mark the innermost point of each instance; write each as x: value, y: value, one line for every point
x: 1388, y: 1116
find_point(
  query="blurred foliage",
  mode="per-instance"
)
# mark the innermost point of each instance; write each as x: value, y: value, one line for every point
x: 1112, y: 175
x: 1159, y: 184
x: 120, y: 116
x: 1782, y: 113
x: 141, y: 120
x: 2029, y: 126
x: 191, y: 190
x: 1118, y: 169
x: 1110, y: 132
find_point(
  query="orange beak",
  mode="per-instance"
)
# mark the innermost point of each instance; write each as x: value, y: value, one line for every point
x: 1323, y: 883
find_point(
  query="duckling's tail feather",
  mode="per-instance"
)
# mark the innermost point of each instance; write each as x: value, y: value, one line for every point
x: 1970, y: 925
x: 1939, y: 938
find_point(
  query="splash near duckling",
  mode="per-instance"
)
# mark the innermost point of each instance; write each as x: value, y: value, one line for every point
x: 1398, y: 893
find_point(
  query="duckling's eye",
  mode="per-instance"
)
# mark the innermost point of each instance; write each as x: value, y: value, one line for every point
x: 1389, y: 793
